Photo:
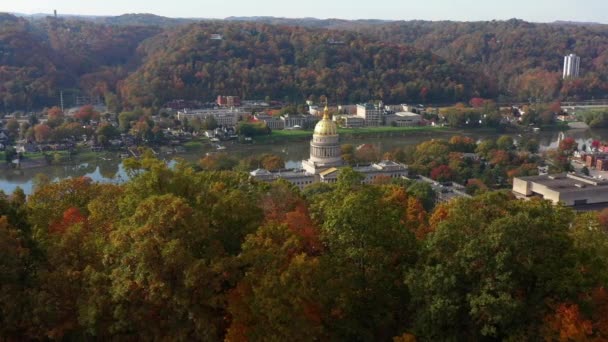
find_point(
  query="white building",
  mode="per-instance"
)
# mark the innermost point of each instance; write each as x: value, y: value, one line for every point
x: 566, y: 188
x: 371, y: 113
x: 299, y: 120
x: 403, y: 119
x: 223, y: 116
x: 571, y: 66
x: 273, y: 122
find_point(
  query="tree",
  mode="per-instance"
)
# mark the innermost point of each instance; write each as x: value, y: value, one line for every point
x: 106, y: 132
x: 210, y: 123
x: 54, y: 113
x: 504, y: 142
x: 111, y: 101
x: 42, y: 133
x: 442, y: 173
x: 86, y: 113
x: 14, y: 255
x: 217, y: 162
x: 368, y: 254
x: 55, y: 117
x: 272, y: 162
x: 279, y: 297
x: 163, y: 245
x: 12, y: 126
x: 513, y: 256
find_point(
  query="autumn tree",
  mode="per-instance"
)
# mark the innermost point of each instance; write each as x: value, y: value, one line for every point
x: 42, y: 133
x: 272, y: 162
x: 86, y: 113
x: 514, y: 256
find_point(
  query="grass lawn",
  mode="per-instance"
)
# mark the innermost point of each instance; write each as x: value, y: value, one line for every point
x: 282, y: 135
x: 387, y: 129
x: 193, y: 145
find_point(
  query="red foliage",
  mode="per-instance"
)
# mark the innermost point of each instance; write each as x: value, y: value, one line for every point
x: 567, y: 324
x: 477, y: 102
x: 442, y: 173
x: 603, y: 218
x: 86, y: 113
x: 70, y: 217
x: 300, y: 223
x: 567, y: 145
x: 54, y: 113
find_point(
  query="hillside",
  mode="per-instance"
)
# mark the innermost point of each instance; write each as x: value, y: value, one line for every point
x: 37, y: 59
x: 523, y: 60
x: 258, y: 60
x: 150, y: 59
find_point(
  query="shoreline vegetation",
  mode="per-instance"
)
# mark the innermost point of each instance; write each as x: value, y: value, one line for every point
x: 37, y: 159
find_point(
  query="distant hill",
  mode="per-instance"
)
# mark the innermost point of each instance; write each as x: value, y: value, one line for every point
x: 256, y: 60
x: 575, y: 23
x: 145, y: 19
x: 146, y: 57
x: 37, y: 59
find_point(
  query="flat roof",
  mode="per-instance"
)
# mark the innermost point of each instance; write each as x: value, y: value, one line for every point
x: 566, y: 183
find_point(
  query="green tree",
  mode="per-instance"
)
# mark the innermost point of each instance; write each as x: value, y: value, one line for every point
x: 369, y: 253
x: 491, y: 267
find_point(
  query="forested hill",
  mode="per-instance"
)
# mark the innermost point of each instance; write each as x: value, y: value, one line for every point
x: 523, y: 60
x: 258, y: 60
x: 41, y: 57
x: 149, y: 59
x: 38, y: 59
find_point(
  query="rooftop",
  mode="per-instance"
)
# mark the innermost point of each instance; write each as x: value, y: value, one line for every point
x: 567, y: 182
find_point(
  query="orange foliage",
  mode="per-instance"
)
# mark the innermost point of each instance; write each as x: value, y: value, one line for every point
x: 416, y: 218
x: 70, y: 217
x: 440, y: 214
x: 300, y: 223
x: 599, y: 298
x: 567, y: 324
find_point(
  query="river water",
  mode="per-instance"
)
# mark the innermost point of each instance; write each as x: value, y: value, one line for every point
x: 108, y: 167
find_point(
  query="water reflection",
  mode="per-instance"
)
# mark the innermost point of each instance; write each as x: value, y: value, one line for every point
x: 109, y: 168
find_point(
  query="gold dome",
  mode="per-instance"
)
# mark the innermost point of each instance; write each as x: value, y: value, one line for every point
x: 326, y: 126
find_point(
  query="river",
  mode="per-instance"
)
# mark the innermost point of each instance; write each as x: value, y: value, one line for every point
x: 108, y: 167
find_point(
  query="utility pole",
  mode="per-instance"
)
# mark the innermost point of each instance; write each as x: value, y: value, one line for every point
x: 61, y: 99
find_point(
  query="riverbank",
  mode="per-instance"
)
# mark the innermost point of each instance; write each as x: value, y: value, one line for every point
x: 347, y: 133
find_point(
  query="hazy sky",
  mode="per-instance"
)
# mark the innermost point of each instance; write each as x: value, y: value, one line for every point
x: 531, y: 10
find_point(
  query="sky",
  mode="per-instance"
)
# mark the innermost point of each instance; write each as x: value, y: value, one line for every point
x: 460, y: 10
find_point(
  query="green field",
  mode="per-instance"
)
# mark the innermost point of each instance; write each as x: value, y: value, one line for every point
x: 282, y: 135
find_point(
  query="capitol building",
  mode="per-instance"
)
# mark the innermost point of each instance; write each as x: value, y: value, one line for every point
x: 326, y: 160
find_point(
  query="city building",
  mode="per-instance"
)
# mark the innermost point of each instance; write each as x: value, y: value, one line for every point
x: 350, y: 121
x: 567, y: 188
x: 571, y: 66
x: 372, y: 114
x: 223, y: 116
x: 325, y: 161
x: 403, y: 119
x: 228, y: 101
x: 273, y: 122
x: 299, y: 178
x: 299, y: 120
